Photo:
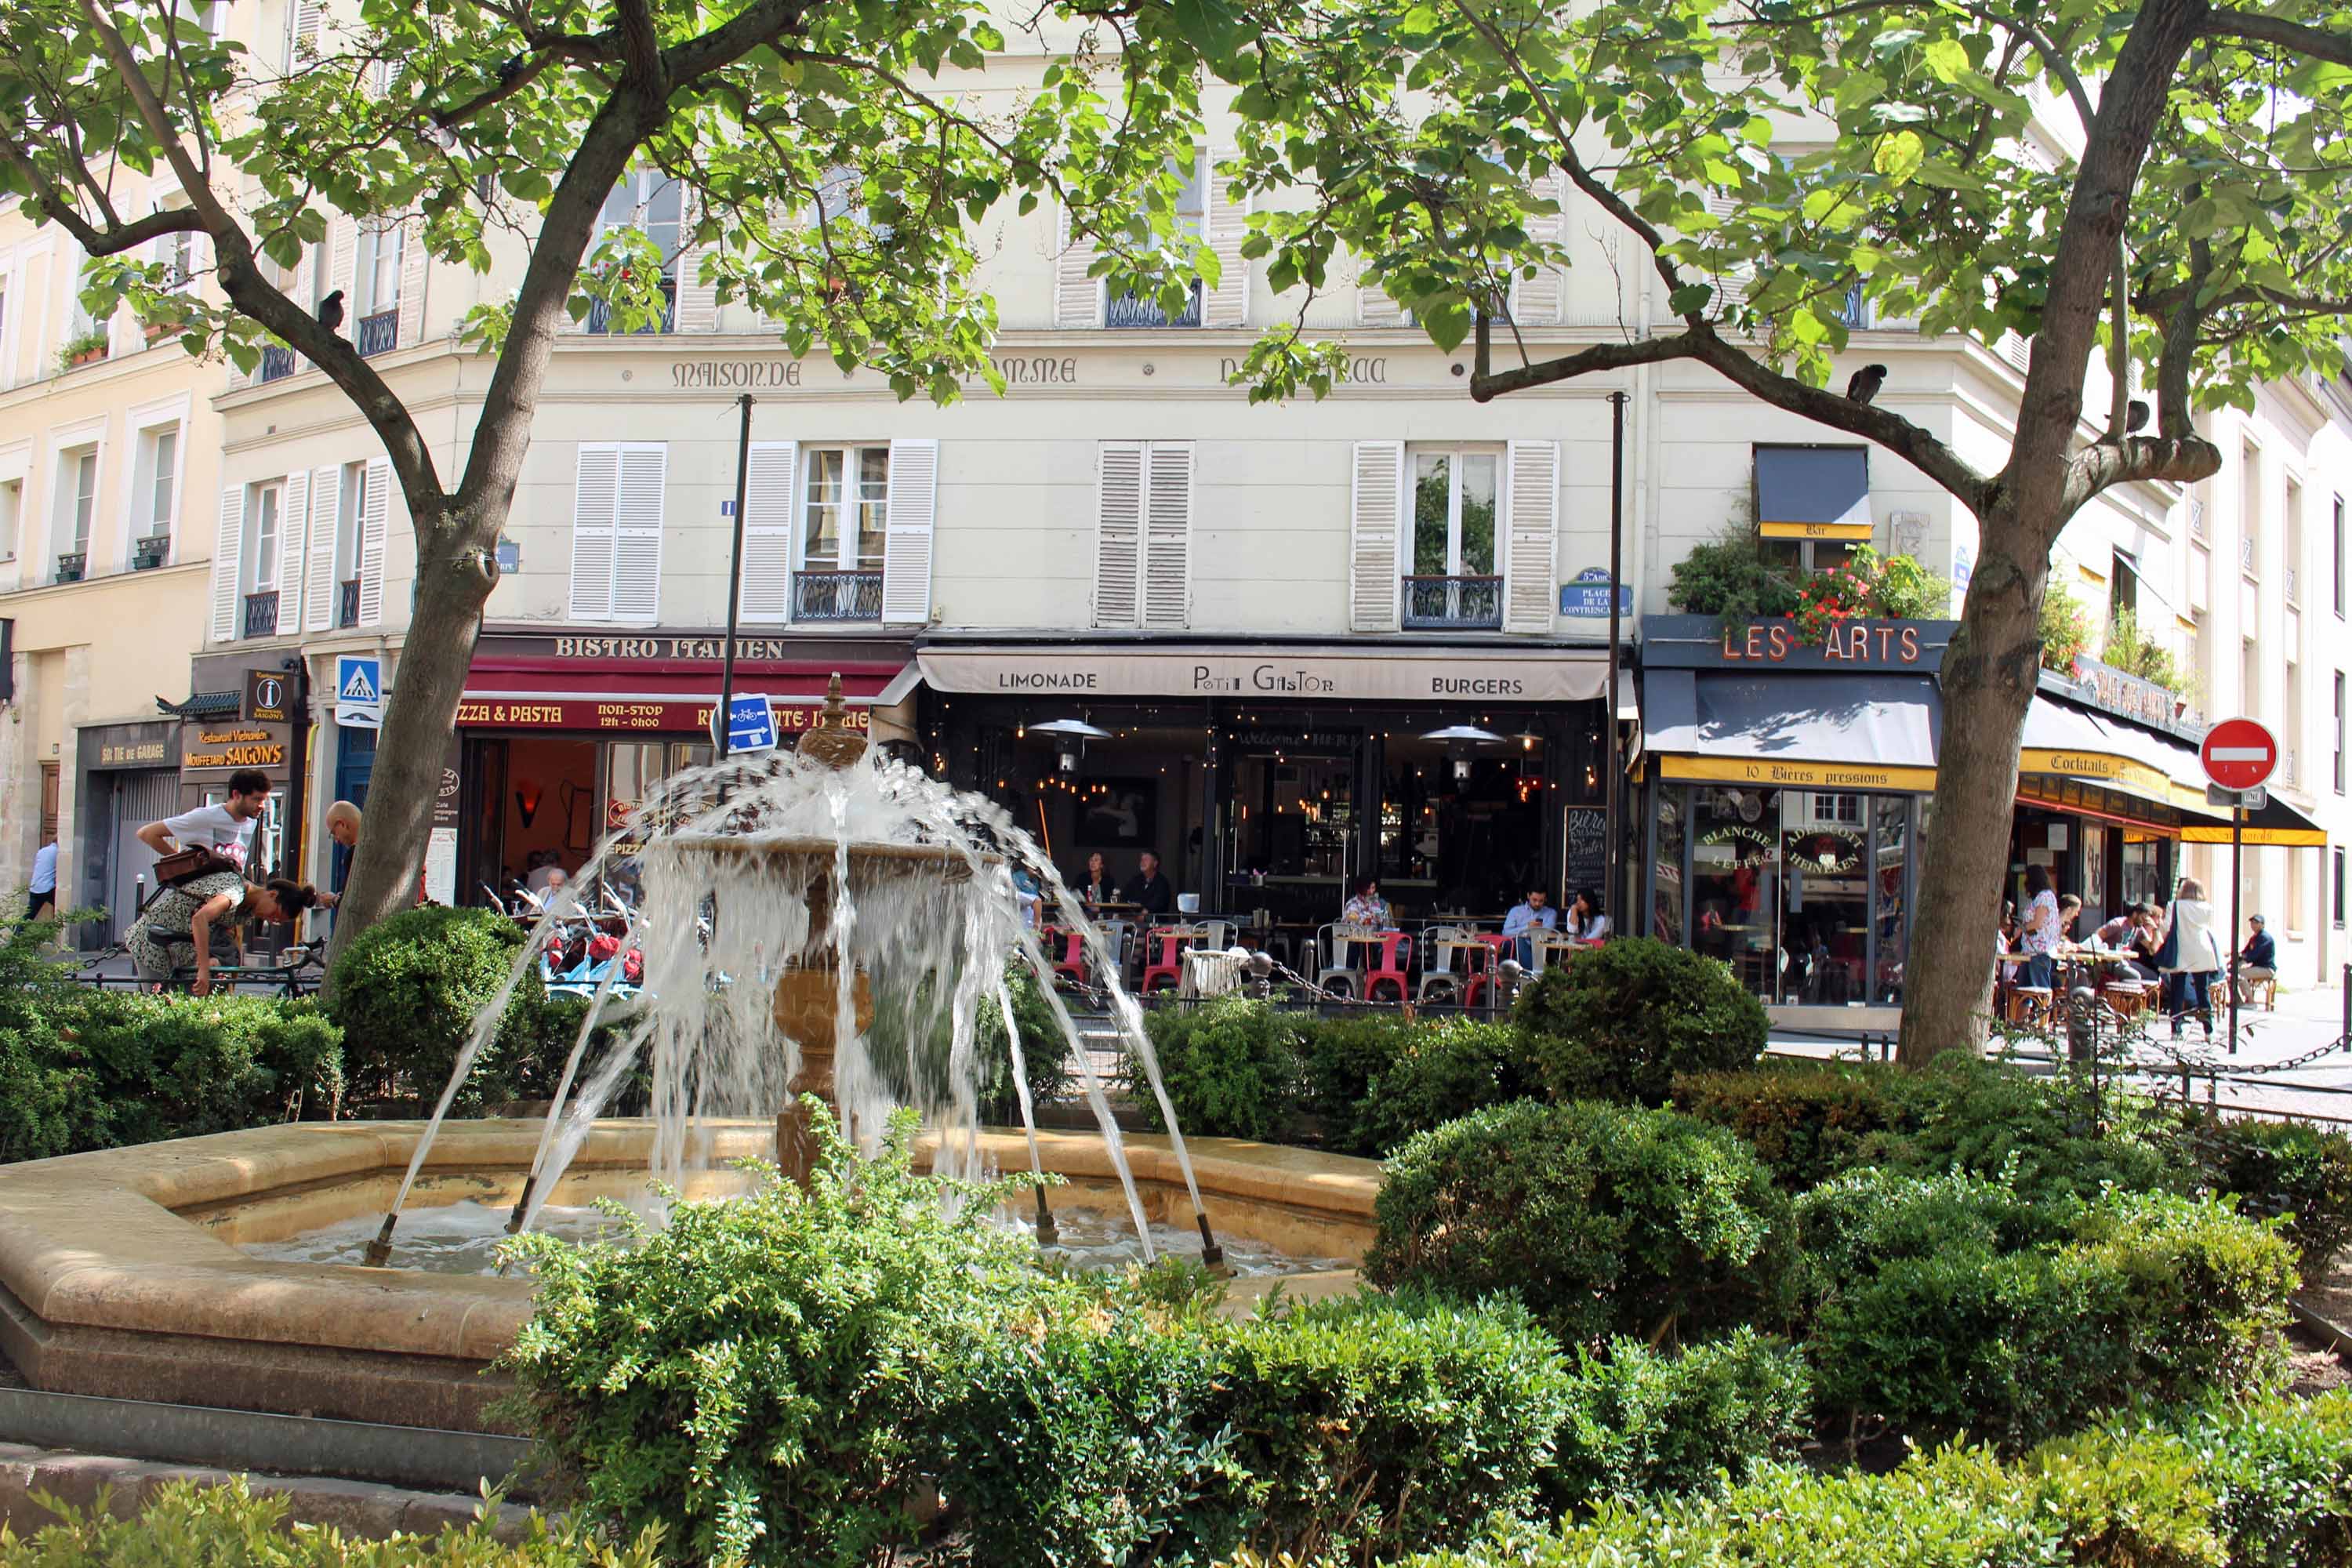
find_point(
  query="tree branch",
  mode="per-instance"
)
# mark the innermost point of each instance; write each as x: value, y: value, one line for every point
x: 641, y: 48
x: 1486, y: 385
x: 2317, y: 42
x: 505, y: 88
x: 111, y: 240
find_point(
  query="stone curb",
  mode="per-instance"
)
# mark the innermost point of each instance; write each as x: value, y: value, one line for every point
x: 359, y: 1509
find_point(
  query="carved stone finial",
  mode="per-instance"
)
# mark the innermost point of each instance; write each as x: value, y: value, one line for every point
x: 831, y: 742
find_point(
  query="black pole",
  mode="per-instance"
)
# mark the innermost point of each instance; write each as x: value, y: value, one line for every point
x: 298, y: 742
x: 734, y: 583
x: 2237, y: 886
x: 1611, y: 873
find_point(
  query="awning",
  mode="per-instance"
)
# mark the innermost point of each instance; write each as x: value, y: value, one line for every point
x: 675, y: 697
x: 1822, y: 731
x: 1343, y: 673
x: 2277, y: 824
x: 2069, y: 741
x: 1813, y: 492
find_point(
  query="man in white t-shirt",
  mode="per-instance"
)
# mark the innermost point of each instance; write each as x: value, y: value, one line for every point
x: 226, y: 829
x: 45, y: 883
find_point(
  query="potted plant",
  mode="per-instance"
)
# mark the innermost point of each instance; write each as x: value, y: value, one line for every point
x: 147, y: 552
x: 82, y: 349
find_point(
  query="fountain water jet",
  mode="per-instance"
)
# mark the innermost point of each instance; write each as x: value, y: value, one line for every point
x: 807, y: 899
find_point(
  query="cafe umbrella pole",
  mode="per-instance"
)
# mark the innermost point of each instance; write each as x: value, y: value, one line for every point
x: 734, y: 584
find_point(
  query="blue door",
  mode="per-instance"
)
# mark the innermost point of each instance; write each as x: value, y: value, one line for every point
x: 354, y: 764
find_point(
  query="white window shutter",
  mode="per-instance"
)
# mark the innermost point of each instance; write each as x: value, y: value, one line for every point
x: 1535, y: 301
x: 1078, y: 298
x: 1374, y: 308
x: 698, y: 302
x: 1226, y: 305
x: 326, y: 511
x: 907, y: 541
x: 1534, y: 503
x: 1376, y: 539
x: 1118, y: 533
x: 376, y: 518
x: 413, y: 263
x: 343, y: 266
x: 228, y: 546
x: 593, y: 507
x: 293, y: 544
x: 301, y: 32
x: 637, y: 533
x: 769, y: 500
x: 1168, y: 535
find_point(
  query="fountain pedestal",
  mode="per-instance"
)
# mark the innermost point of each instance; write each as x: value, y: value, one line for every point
x: 807, y: 1009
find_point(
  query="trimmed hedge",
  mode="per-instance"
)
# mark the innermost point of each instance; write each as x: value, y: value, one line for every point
x: 1230, y: 1066
x: 1605, y: 1220
x: 406, y: 993
x: 1692, y: 1420
x: 1620, y: 1021
x: 2291, y: 1169
x: 2264, y: 1485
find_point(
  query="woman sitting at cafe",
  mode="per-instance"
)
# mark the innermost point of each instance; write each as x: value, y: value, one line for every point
x: 1367, y: 909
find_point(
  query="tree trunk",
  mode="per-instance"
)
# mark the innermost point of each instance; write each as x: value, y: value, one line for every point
x: 1988, y: 681
x: 455, y: 574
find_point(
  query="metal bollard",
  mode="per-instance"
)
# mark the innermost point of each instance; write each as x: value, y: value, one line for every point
x: 2082, y: 1024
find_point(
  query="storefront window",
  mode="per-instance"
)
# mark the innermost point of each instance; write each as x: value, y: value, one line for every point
x: 2143, y: 867
x: 1464, y: 834
x: 1891, y: 820
x: 2094, y: 877
x: 1666, y: 868
x: 1825, y: 924
x: 1736, y: 883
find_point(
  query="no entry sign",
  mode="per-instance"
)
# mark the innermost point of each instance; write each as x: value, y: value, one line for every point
x: 2239, y: 753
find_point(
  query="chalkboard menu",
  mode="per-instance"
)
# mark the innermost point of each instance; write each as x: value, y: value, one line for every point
x: 1588, y: 849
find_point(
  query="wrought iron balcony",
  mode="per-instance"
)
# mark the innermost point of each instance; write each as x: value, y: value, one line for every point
x: 836, y: 595
x: 600, y: 315
x: 1128, y: 311
x: 261, y: 614
x: 376, y: 334
x: 347, y: 602
x: 1453, y: 604
x: 149, y: 551
x: 277, y: 361
x: 71, y: 565
x: 2295, y: 584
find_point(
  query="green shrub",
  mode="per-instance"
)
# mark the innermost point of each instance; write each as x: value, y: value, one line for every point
x: 1644, y: 1421
x: 1947, y: 1305
x: 406, y: 992
x: 48, y: 1105
x: 1372, y: 1425
x: 183, y: 1523
x: 1093, y: 1444
x: 1807, y: 1120
x: 1620, y: 1020
x: 765, y: 1379
x: 1446, y: 1069
x: 1604, y: 1220
x: 1230, y: 1066
x: 2264, y: 1485
x: 1044, y: 1050
x: 177, y: 1067
x: 1729, y: 577
x: 2285, y: 1168
x: 1340, y: 1057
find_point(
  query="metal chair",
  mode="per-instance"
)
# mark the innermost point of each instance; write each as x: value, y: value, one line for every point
x: 1388, y: 969
x: 1168, y: 968
x: 1440, y: 944
x: 1332, y: 972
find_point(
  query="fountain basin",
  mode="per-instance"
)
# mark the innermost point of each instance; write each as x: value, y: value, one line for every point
x: 121, y: 1271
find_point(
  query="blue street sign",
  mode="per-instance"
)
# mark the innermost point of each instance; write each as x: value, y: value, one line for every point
x: 359, y: 692
x: 727, y: 509
x: 1587, y: 596
x: 750, y: 725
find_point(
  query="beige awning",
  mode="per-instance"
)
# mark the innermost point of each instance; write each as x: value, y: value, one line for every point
x: 1334, y: 674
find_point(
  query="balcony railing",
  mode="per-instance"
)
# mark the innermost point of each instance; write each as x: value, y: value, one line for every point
x: 261, y: 614
x: 379, y: 333
x: 277, y: 361
x: 836, y: 595
x: 600, y: 315
x: 347, y: 602
x: 150, y: 550
x: 1854, y: 311
x: 2295, y: 584
x: 2246, y: 554
x: 1453, y: 604
x: 1132, y: 312
x: 71, y: 565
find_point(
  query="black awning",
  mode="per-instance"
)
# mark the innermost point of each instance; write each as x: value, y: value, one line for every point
x: 1812, y: 484
x: 204, y: 705
x: 1827, y: 731
x: 2277, y: 824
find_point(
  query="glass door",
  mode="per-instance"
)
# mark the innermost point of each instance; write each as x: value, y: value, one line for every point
x: 1735, y: 847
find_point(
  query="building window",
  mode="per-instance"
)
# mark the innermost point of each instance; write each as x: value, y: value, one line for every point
x: 2123, y: 592
x: 155, y: 493
x: 845, y: 509
x: 2339, y: 731
x: 2337, y: 538
x: 2292, y: 536
x: 12, y: 517
x: 375, y: 319
x: 1811, y: 504
x: 1837, y: 808
x: 651, y: 201
x: 2336, y: 895
x: 1453, y: 582
x: 77, y: 505
x: 1192, y: 224
x: 263, y: 537
x: 2249, y: 511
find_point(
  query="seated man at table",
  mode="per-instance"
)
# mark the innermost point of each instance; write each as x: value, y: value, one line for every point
x: 1525, y: 917
x: 1149, y: 889
x: 2257, y: 960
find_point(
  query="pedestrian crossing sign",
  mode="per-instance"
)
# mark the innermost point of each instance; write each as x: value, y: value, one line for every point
x: 359, y: 692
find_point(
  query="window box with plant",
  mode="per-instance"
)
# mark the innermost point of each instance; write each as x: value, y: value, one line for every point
x: 83, y: 348
x: 1731, y: 577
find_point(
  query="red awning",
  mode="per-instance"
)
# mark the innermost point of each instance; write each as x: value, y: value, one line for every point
x: 655, y: 695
